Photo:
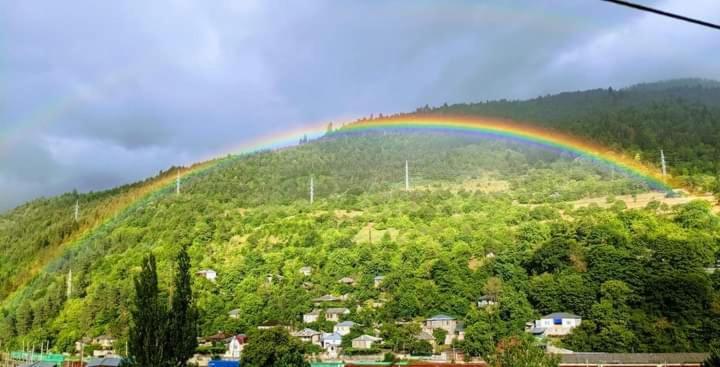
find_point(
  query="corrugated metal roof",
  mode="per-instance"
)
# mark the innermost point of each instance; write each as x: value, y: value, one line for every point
x: 105, y: 362
x: 441, y: 318
x: 561, y: 315
x: 632, y: 358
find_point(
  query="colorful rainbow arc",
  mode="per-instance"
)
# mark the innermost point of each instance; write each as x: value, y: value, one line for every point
x: 484, y: 127
x: 523, y: 133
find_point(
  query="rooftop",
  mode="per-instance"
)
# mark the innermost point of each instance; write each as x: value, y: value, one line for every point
x: 105, y: 362
x: 366, y: 337
x: 561, y: 315
x: 441, y: 317
x: 307, y: 332
x: 331, y: 336
x: 632, y: 358
x: 338, y: 310
x: 347, y: 323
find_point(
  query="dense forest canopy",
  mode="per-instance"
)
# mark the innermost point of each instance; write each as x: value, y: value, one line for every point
x: 482, y: 217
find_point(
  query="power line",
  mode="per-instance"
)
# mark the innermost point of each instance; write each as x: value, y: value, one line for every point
x: 664, y: 13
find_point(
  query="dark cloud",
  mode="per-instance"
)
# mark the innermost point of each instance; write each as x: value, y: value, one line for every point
x: 97, y: 94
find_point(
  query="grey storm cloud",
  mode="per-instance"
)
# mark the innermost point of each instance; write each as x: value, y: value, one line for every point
x: 96, y: 94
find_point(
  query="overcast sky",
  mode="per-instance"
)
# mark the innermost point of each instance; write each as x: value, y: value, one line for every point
x: 94, y: 94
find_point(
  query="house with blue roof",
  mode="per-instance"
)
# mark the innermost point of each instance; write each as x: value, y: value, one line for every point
x: 554, y: 324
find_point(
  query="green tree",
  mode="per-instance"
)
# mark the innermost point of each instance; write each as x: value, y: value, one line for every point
x: 713, y: 360
x: 440, y: 335
x: 273, y: 348
x: 520, y: 352
x: 479, y: 339
x: 148, y: 329
x: 182, y: 322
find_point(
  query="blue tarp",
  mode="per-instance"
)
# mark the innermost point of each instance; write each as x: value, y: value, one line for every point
x: 223, y: 363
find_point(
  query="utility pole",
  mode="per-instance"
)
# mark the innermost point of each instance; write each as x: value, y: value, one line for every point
x: 407, y: 177
x: 662, y: 163
x: 69, y: 284
x: 177, y: 183
x: 312, y: 190
x: 77, y: 210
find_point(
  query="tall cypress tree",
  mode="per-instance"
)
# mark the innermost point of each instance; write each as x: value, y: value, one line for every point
x: 148, y: 330
x: 182, y: 330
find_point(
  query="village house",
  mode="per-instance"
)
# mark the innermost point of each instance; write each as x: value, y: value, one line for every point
x: 447, y: 323
x: 308, y: 335
x: 554, y: 324
x: 235, y: 346
x: 486, y: 300
x: 334, y: 314
x: 208, y: 274
x: 344, y: 327
x: 311, y: 316
x: 331, y: 343
x: 104, y: 341
x: 306, y: 271
x: 377, y: 281
x: 365, y: 342
x: 234, y: 314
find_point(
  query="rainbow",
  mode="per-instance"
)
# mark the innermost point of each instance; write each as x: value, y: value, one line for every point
x: 483, y: 127
x: 490, y: 128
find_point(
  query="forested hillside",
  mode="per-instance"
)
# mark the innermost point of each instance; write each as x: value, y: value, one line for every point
x: 682, y: 117
x: 481, y: 218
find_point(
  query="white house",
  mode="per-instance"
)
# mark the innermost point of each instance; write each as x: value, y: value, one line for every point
x: 311, y: 316
x: 236, y: 346
x: 306, y: 271
x: 309, y: 336
x: 555, y: 324
x: 378, y: 280
x: 344, y: 327
x: 331, y: 343
x: 208, y: 274
x: 234, y: 314
x: 333, y: 314
x: 365, y: 341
